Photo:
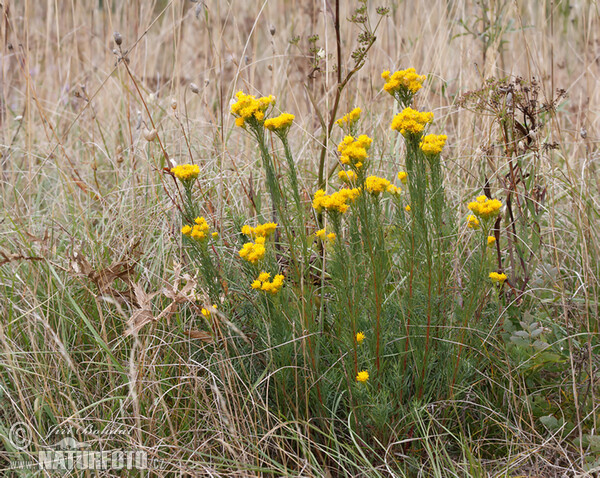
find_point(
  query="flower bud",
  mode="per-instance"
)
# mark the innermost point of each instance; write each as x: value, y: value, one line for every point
x: 150, y: 135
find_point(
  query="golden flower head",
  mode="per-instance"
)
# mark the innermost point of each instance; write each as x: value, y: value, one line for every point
x: 253, y: 251
x: 263, y: 283
x: 472, y: 222
x: 491, y: 240
x: 206, y: 312
x: 349, y: 119
x: 336, y: 202
x: 186, y: 172
x: 324, y: 236
x: 353, y: 151
x: 433, y: 144
x: 280, y: 123
x: 249, y: 108
x: 262, y: 230
x: 402, y: 176
x: 376, y: 185
x: 348, y: 176
x: 359, y: 338
x: 362, y: 376
x: 410, y: 122
x: 198, y: 231
x: 403, y: 81
x: 485, y: 208
x: 498, y: 278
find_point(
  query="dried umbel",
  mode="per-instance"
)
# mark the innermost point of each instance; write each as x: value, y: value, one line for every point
x: 118, y: 38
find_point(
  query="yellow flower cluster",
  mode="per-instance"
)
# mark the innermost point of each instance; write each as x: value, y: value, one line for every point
x: 376, y: 185
x: 485, y: 208
x: 472, y: 222
x: 407, y: 79
x: 263, y: 283
x: 253, y: 251
x: 199, y: 231
x: 350, y: 118
x: 248, y: 107
x: 280, y: 123
x: 322, y: 235
x: 411, y: 122
x: 262, y: 230
x: 348, y: 176
x: 360, y: 337
x: 362, y: 376
x: 491, y: 240
x: 206, y: 312
x: 186, y: 172
x: 354, y: 151
x: 433, y: 143
x: 336, y: 202
x: 499, y: 278
x: 402, y: 176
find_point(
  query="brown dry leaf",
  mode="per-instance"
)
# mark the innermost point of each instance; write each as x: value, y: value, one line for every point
x: 104, y: 278
x: 142, y: 315
x: 200, y: 334
x: 119, y: 270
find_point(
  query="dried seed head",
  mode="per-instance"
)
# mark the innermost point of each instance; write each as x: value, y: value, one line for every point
x: 150, y: 135
x: 272, y: 30
x: 118, y: 38
x: 583, y: 133
x: 194, y: 88
x: 173, y: 103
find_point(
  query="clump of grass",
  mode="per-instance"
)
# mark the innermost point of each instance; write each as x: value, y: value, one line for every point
x: 391, y: 330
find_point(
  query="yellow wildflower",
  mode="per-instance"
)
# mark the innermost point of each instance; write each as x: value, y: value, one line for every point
x: 411, y: 122
x: 323, y: 236
x: 349, y: 119
x: 262, y: 283
x: 206, y: 312
x: 250, y: 108
x: 264, y: 276
x: 215, y: 235
x: 402, y: 176
x: 433, y: 144
x: 336, y: 202
x: 348, y: 176
x: 280, y: 123
x: 472, y: 222
x: 376, y: 185
x: 407, y: 81
x: 253, y: 251
x: 186, y: 172
x: 393, y: 189
x: 485, y: 208
x: 354, y: 151
x: 360, y: 337
x: 491, y: 240
x: 262, y: 230
x: 362, y: 376
x: 407, y: 208
x: 198, y: 231
x: 498, y: 278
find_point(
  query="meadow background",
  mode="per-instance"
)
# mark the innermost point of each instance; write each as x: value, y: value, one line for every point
x: 91, y: 244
